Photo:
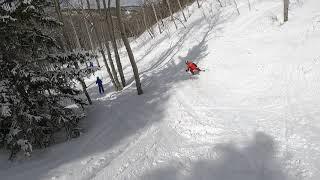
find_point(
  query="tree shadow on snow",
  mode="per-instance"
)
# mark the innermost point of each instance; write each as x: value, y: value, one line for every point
x: 116, y: 119
x: 258, y: 160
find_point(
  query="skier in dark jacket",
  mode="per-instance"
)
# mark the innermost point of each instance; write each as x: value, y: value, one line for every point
x: 192, y: 67
x: 99, y: 82
x: 91, y: 67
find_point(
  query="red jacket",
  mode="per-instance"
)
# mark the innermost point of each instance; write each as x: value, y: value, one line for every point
x: 192, y: 67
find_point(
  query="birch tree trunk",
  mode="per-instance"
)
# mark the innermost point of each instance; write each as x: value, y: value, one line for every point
x: 60, y: 17
x: 285, y: 10
x: 83, y: 84
x: 150, y: 26
x: 114, y: 71
x: 198, y: 3
x: 155, y: 15
x: 88, y: 31
x: 249, y: 5
x: 114, y: 43
x: 78, y: 45
x: 145, y: 22
x: 181, y: 9
x: 128, y: 48
x: 171, y: 14
x: 236, y: 4
x: 161, y: 18
x: 138, y: 25
x: 102, y: 52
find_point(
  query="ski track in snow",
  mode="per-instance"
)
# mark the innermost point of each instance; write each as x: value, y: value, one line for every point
x: 253, y: 114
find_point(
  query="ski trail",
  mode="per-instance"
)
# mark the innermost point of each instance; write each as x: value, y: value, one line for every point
x: 253, y: 115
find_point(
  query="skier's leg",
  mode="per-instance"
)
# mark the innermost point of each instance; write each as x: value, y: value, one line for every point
x: 100, y: 90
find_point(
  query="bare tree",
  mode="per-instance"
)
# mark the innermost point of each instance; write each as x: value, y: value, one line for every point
x: 160, y: 13
x: 145, y: 22
x: 285, y: 10
x: 181, y: 9
x: 138, y: 25
x: 114, y: 72
x: 249, y: 5
x: 155, y: 15
x: 102, y: 51
x: 236, y: 4
x: 60, y: 17
x: 78, y: 45
x: 219, y: 1
x: 88, y: 31
x: 198, y: 4
x: 114, y: 43
x: 150, y: 24
x: 129, y: 50
x: 172, y: 19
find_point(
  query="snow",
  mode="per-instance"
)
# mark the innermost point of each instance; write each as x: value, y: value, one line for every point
x: 25, y: 146
x: 10, y: 6
x: 7, y: 18
x: 252, y: 115
x: 5, y: 110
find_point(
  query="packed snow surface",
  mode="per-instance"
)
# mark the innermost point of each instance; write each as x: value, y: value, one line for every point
x: 252, y: 115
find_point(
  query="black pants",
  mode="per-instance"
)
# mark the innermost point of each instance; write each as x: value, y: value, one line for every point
x: 101, y: 90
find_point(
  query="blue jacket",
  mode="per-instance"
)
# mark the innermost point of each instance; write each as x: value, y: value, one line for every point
x: 99, y: 82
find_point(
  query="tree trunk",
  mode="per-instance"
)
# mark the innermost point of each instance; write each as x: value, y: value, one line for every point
x: 171, y: 14
x: 78, y: 45
x: 236, y: 4
x: 83, y: 84
x: 155, y: 15
x: 88, y: 32
x: 249, y: 5
x: 160, y: 14
x: 138, y: 25
x: 181, y: 9
x: 285, y: 10
x: 114, y: 71
x: 84, y: 87
x: 150, y: 26
x: 102, y: 52
x: 90, y: 39
x: 198, y: 3
x: 98, y: 6
x: 128, y: 48
x: 114, y: 43
x: 145, y: 22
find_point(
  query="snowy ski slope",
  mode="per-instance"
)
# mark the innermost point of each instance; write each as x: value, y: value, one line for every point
x: 253, y: 115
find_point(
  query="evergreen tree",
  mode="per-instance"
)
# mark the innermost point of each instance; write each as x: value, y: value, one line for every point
x: 35, y: 87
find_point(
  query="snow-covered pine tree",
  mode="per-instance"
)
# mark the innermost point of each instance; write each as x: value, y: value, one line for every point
x: 34, y: 85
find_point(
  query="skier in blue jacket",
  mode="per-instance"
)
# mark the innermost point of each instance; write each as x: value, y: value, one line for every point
x: 99, y: 82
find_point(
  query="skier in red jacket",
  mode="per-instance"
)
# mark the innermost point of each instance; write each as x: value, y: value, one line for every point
x: 192, y: 67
